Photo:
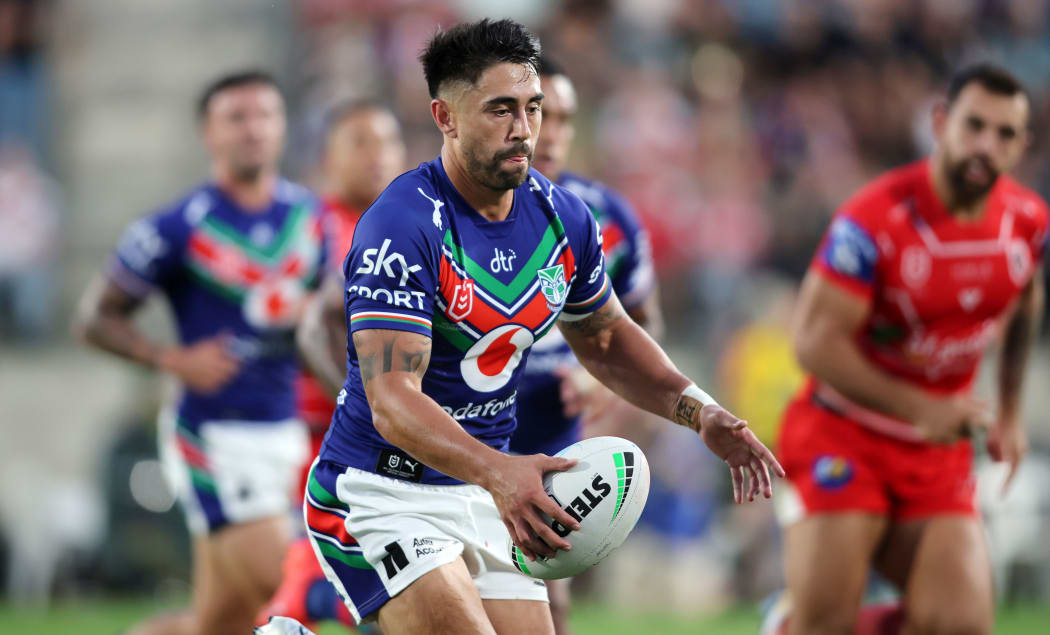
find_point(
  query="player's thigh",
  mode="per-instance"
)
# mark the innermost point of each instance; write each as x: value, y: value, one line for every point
x: 826, y: 561
x: 250, y: 556
x: 443, y: 600
x: 527, y: 617
x: 950, y: 586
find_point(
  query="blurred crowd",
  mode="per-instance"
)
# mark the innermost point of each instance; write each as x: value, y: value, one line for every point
x: 735, y: 127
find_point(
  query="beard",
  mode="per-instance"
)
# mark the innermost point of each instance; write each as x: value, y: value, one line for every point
x: 492, y: 174
x: 965, y: 190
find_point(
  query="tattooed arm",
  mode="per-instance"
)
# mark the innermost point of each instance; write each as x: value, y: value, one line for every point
x: 392, y: 367
x: 104, y: 320
x: 621, y: 355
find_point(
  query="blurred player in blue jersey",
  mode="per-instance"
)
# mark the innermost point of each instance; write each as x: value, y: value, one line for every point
x: 235, y: 259
x: 413, y: 498
x: 546, y: 424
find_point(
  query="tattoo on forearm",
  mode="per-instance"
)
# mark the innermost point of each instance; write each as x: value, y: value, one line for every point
x: 687, y: 412
x: 381, y: 352
x: 596, y: 322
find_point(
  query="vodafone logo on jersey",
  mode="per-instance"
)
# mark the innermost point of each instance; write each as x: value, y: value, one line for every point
x: 491, y: 361
x: 274, y: 303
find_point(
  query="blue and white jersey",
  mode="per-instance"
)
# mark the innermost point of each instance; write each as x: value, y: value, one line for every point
x: 424, y: 261
x: 225, y: 270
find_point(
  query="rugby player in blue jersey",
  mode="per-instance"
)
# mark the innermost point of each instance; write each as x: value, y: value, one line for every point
x: 234, y: 258
x: 550, y: 395
x: 412, y: 498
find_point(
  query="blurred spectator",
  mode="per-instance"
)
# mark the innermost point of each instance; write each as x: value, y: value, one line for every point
x: 29, y: 222
x: 22, y: 81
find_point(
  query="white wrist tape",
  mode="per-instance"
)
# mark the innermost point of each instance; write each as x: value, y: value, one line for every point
x: 692, y: 390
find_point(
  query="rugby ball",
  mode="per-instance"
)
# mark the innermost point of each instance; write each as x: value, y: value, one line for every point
x: 606, y: 492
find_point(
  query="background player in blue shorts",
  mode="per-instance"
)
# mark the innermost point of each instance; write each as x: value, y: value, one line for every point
x: 235, y: 259
x: 413, y: 496
x: 546, y: 425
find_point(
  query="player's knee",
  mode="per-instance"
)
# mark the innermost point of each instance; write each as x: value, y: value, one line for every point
x: 948, y: 620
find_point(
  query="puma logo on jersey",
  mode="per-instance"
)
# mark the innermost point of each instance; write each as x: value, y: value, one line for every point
x: 436, y: 218
x: 378, y: 261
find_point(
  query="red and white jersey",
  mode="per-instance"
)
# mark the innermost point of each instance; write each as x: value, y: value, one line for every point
x: 940, y: 286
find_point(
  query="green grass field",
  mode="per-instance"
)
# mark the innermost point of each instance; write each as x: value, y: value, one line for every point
x: 108, y: 617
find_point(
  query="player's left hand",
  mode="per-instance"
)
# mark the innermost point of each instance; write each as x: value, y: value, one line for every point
x: 1007, y: 441
x: 729, y: 438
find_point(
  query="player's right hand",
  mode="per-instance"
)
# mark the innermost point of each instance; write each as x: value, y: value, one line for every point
x: 952, y: 418
x: 204, y: 366
x: 516, y: 486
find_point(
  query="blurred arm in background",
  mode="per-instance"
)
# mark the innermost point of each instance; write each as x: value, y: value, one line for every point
x: 104, y: 319
x: 321, y: 336
x: 1007, y: 439
x: 827, y: 321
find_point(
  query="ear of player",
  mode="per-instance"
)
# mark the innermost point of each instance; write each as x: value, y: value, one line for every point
x: 606, y: 492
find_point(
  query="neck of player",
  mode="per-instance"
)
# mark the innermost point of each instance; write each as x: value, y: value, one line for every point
x: 969, y: 211
x: 494, y: 205
x: 253, y: 194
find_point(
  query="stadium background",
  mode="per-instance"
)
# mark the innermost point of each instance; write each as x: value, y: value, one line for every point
x: 735, y: 127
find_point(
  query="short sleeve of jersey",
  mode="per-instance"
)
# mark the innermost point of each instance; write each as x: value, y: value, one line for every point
x: 591, y: 288
x: 392, y: 272
x: 848, y: 255
x: 634, y: 278
x: 149, y: 252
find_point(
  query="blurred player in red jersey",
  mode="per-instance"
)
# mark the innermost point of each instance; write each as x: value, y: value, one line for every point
x: 364, y: 152
x: 918, y: 274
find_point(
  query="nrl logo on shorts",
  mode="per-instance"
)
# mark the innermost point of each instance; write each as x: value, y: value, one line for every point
x: 553, y: 285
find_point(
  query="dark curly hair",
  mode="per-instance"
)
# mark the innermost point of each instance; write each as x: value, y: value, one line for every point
x: 467, y: 50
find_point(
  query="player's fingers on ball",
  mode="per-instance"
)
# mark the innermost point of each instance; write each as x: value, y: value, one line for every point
x: 549, y: 507
x: 557, y: 464
x: 513, y: 534
x: 522, y: 538
x: 543, y: 539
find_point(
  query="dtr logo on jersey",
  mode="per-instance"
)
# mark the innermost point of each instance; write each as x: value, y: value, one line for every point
x: 489, y: 364
x: 378, y: 261
x: 462, y: 301
x: 553, y: 285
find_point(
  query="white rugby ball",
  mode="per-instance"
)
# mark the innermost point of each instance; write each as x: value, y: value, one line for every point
x: 606, y: 492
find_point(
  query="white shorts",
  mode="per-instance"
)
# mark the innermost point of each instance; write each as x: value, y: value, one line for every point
x: 230, y: 472
x: 375, y: 535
